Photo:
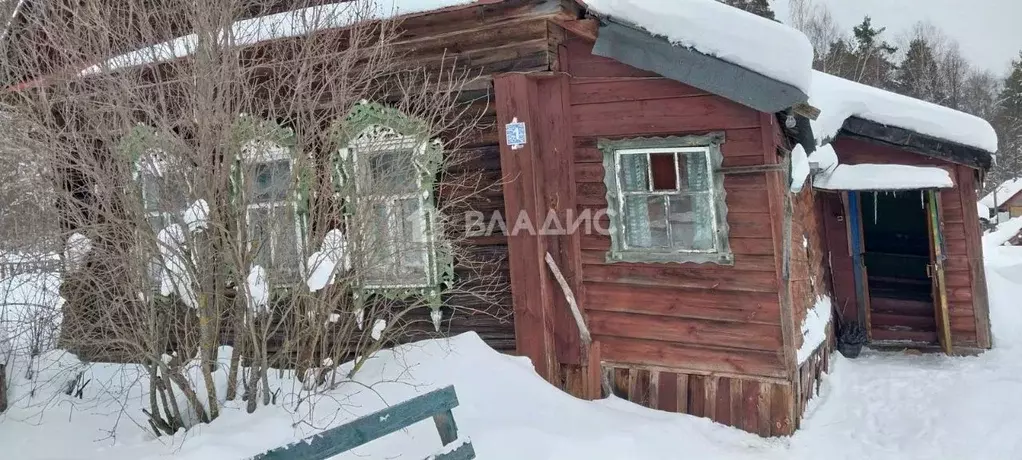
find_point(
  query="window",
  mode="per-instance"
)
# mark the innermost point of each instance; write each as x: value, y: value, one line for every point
x: 392, y: 210
x: 270, y: 211
x: 666, y: 200
x: 163, y: 199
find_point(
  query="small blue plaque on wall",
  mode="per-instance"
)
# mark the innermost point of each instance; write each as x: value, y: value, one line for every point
x: 515, y: 134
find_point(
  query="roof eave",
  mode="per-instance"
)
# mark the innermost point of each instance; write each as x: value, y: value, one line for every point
x: 915, y: 142
x: 640, y: 49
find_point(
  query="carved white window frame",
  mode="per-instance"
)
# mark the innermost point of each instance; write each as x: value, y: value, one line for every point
x: 383, y: 138
x: 272, y: 154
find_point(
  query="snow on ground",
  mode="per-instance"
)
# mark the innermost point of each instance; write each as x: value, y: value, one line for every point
x: 1004, y: 232
x: 758, y: 44
x: 880, y: 406
x: 839, y: 99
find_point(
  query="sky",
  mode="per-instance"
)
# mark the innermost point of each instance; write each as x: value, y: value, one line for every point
x: 989, y: 31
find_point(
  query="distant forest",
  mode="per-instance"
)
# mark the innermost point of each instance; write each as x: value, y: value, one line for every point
x: 923, y: 63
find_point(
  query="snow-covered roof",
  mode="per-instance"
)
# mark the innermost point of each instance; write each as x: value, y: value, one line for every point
x: 281, y: 25
x: 1004, y: 193
x: 839, y: 99
x: 1004, y: 232
x: 983, y: 210
x: 733, y: 35
x: 883, y: 177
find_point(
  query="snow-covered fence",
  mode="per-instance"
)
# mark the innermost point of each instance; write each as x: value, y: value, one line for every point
x: 435, y: 404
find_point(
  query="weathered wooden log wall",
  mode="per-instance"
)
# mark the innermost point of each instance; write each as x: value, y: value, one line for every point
x: 487, y: 38
x: 809, y: 278
x: 966, y: 280
x: 708, y: 340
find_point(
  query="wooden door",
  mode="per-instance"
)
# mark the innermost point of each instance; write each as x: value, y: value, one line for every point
x: 936, y: 272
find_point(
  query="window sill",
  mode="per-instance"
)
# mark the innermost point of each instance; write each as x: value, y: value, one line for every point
x: 645, y: 257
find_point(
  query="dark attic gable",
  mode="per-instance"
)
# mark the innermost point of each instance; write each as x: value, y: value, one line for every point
x: 640, y: 49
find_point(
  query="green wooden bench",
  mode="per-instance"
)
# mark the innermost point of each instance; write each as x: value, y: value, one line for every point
x: 436, y: 404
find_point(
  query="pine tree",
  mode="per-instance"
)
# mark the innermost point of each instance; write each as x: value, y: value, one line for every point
x: 757, y: 7
x: 1008, y: 122
x: 867, y: 58
x: 918, y: 75
x: 875, y: 64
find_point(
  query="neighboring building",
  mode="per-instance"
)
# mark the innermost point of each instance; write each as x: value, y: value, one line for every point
x: 712, y: 293
x: 1006, y: 200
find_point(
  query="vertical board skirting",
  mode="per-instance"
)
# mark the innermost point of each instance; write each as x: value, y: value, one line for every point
x: 761, y: 407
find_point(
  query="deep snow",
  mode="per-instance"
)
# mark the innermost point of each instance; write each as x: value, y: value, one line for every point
x: 839, y: 99
x: 758, y: 44
x: 880, y: 406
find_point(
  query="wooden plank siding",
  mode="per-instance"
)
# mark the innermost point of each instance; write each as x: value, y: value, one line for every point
x: 701, y: 319
x: 966, y: 281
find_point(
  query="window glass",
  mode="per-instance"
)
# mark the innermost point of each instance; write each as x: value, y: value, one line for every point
x: 393, y: 201
x: 272, y: 221
x: 286, y: 257
x: 260, y: 237
x: 391, y: 171
x: 271, y: 181
x: 634, y: 174
x: 691, y: 222
x: 693, y: 171
x: 664, y: 201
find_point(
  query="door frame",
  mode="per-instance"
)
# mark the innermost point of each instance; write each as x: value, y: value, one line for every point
x: 938, y: 255
x: 936, y: 269
x: 857, y: 247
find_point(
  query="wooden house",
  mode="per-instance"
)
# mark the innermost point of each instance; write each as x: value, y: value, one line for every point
x: 1006, y: 200
x: 707, y: 284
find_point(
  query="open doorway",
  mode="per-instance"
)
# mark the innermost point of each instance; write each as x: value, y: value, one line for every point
x: 897, y: 257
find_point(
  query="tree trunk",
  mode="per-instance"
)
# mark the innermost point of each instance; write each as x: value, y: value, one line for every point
x: 3, y: 388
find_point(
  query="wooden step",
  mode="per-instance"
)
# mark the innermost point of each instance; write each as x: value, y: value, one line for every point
x: 901, y: 306
x: 907, y: 336
x: 901, y: 322
x: 893, y: 280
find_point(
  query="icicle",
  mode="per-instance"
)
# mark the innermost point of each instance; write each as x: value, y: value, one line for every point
x: 875, y: 206
x: 436, y: 316
x: 922, y: 199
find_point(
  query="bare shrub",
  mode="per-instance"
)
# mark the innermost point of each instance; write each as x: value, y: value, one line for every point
x: 289, y: 185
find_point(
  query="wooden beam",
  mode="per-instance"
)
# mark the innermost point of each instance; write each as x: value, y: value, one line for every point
x: 806, y: 110
x: 974, y: 240
x: 917, y: 143
x: 523, y: 197
x: 588, y: 29
x: 780, y: 210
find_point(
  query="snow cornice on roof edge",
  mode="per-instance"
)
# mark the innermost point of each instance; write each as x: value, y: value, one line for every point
x: 841, y: 100
x: 769, y: 48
